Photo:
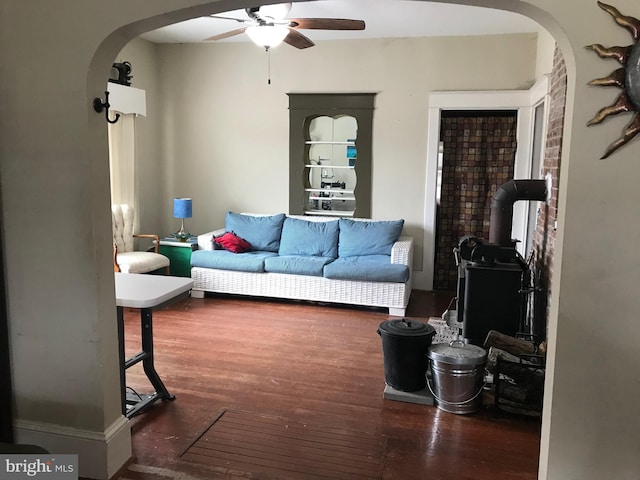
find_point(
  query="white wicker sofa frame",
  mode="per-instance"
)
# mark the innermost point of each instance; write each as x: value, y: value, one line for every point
x: 394, y: 296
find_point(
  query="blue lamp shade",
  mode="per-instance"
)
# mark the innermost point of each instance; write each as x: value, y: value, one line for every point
x: 182, y: 208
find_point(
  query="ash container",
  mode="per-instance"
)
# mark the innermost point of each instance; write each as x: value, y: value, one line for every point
x: 457, y: 371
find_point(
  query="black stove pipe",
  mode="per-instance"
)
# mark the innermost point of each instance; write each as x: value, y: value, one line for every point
x: 507, y: 194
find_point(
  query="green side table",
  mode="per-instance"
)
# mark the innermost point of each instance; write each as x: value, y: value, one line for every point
x: 179, y: 254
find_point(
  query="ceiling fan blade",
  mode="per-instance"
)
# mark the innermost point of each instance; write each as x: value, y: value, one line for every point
x: 240, y: 20
x: 231, y: 33
x: 327, y: 24
x: 298, y: 40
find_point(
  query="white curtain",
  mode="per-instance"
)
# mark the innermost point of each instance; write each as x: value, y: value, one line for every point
x: 122, y: 162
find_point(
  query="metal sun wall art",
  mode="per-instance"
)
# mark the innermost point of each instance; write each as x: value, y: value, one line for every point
x: 627, y: 78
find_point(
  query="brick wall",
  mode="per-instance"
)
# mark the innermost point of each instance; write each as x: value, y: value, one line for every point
x: 545, y: 234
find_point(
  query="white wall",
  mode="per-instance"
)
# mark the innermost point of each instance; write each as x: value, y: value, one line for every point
x: 544, y: 53
x: 226, y: 131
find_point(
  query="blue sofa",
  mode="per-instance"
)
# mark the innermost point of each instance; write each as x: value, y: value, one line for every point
x: 354, y: 261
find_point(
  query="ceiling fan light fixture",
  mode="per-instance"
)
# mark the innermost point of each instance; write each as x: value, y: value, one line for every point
x: 267, y: 36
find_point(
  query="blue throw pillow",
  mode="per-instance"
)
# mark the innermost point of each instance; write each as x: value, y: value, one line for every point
x: 304, y: 237
x: 368, y: 237
x: 263, y: 233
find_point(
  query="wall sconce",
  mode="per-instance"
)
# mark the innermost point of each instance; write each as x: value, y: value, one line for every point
x: 99, y: 106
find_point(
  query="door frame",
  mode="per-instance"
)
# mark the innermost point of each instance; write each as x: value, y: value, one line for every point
x: 6, y: 390
x: 524, y: 102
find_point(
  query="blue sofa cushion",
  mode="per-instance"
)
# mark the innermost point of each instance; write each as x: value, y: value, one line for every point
x: 263, y: 233
x: 297, y: 264
x: 372, y: 268
x: 368, y: 237
x: 243, y: 262
x: 303, y: 237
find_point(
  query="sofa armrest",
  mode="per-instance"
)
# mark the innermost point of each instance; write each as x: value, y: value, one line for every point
x: 205, y: 241
x: 402, y: 251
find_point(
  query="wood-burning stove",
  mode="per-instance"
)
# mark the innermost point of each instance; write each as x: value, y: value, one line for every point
x: 493, y: 278
x: 490, y: 289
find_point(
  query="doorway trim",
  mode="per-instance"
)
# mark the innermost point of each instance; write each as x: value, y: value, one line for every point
x: 524, y: 101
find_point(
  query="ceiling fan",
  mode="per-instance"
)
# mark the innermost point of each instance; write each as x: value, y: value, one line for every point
x: 267, y: 26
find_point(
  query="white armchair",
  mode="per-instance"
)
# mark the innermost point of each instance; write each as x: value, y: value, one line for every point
x: 125, y: 258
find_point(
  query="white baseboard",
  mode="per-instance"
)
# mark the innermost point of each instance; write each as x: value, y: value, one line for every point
x: 100, y: 454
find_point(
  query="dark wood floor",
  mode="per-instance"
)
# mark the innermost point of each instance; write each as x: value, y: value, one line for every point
x: 303, y: 368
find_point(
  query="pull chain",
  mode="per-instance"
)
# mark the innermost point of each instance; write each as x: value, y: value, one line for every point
x: 268, y: 50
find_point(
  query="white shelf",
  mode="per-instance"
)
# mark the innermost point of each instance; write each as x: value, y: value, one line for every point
x: 331, y: 213
x: 330, y: 190
x: 351, y: 167
x: 350, y: 198
x: 321, y: 142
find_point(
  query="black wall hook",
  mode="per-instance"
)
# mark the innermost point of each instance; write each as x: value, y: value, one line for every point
x: 99, y: 105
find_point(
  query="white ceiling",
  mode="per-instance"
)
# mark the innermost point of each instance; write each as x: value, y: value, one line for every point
x: 384, y: 19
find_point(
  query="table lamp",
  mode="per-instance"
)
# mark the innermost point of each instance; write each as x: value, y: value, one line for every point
x: 182, y: 210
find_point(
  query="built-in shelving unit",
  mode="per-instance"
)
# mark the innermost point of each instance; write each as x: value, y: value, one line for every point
x: 330, y: 157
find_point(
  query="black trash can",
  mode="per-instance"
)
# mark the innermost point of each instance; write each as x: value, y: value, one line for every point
x: 405, y: 344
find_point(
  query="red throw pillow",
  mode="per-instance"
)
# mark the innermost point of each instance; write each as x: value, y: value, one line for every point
x: 230, y: 241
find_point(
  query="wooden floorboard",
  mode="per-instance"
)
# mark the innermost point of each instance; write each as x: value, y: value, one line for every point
x: 256, y: 363
x: 264, y: 445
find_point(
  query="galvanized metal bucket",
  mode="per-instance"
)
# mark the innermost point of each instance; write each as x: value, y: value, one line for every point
x: 457, y: 372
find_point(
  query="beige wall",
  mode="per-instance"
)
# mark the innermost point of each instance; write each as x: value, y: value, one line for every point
x: 56, y: 233
x: 151, y: 171
x: 546, y: 45
x: 226, y: 130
